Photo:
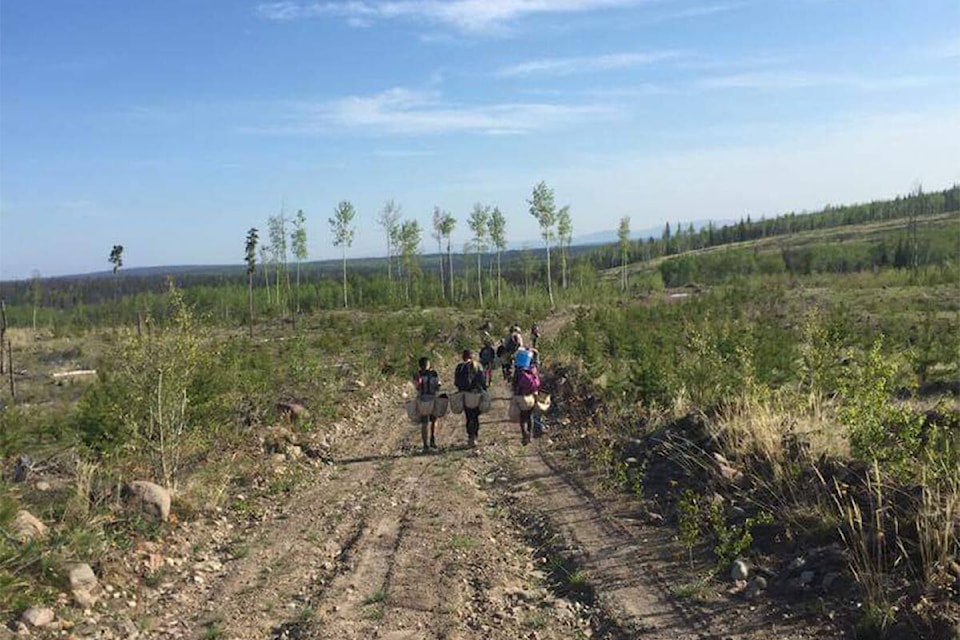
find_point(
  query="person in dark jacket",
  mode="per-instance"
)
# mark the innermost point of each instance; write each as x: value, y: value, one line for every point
x: 427, y: 382
x: 469, y: 378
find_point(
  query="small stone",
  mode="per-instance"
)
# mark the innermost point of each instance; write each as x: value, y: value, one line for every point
x: 38, y: 616
x: 829, y: 579
x: 26, y: 526
x: 83, y: 584
x: 807, y: 577
x: 756, y: 586
x: 797, y: 563
x: 42, y: 485
x: 22, y: 468
x: 294, y: 452
x: 739, y: 570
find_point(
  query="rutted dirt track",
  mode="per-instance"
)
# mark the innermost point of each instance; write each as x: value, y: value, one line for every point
x: 388, y: 543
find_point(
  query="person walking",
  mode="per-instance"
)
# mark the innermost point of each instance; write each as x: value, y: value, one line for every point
x: 427, y: 382
x: 470, y: 380
x: 487, y: 357
x: 534, y: 335
x: 526, y: 383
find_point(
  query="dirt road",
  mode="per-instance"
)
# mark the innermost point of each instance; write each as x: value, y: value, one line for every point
x: 384, y: 542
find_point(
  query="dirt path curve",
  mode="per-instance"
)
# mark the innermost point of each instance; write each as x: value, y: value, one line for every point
x: 389, y: 543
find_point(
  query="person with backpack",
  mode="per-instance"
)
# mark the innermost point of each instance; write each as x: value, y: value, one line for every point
x: 535, y: 335
x: 469, y: 378
x: 427, y: 382
x: 508, y: 349
x: 487, y: 358
x: 526, y: 384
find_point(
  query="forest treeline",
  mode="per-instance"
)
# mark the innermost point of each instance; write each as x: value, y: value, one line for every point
x: 926, y: 237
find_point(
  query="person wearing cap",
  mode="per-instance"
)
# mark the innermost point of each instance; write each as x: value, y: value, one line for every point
x: 470, y: 379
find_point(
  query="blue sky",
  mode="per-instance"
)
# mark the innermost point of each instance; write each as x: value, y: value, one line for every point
x: 172, y: 127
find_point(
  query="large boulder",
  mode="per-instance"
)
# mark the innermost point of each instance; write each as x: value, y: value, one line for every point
x: 27, y: 526
x: 84, y: 585
x: 151, y: 499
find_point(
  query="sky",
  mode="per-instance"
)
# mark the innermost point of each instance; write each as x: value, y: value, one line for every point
x: 173, y: 127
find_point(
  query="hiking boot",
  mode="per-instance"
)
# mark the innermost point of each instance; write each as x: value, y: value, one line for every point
x: 433, y: 443
x: 426, y: 449
x: 471, y: 442
x: 525, y: 439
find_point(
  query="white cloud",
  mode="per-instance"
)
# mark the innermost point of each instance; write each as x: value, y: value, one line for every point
x: 402, y: 111
x: 587, y: 64
x: 801, y: 80
x: 466, y: 15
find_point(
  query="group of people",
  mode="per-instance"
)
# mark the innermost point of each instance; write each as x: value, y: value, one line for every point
x: 474, y: 375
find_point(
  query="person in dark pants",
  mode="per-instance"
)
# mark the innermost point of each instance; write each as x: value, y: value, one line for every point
x: 526, y: 383
x: 427, y: 382
x: 470, y: 379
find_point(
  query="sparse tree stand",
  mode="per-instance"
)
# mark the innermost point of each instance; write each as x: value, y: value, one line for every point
x: 564, y: 236
x: 542, y: 208
x: 251, y: 259
x: 623, y: 235
x: 388, y: 219
x: 341, y: 224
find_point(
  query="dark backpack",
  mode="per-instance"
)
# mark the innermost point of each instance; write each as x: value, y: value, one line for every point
x: 528, y: 383
x: 429, y: 383
x: 487, y: 354
x: 463, y: 376
x: 510, y: 345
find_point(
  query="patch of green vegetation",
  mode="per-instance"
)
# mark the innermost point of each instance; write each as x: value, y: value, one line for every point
x: 463, y: 542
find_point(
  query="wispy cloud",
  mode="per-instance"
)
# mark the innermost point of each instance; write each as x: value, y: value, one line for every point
x: 801, y: 80
x: 466, y: 15
x: 586, y: 64
x: 402, y: 111
x: 700, y: 11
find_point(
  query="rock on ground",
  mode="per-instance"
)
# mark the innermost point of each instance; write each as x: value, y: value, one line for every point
x: 38, y: 616
x: 739, y: 570
x: 150, y: 498
x: 27, y: 526
x: 83, y: 584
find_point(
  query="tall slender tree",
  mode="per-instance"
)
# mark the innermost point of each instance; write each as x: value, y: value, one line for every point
x: 250, y: 256
x: 542, y: 208
x: 564, y: 236
x: 298, y: 244
x: 447, y: 224
x: 478, y: 221
x: 437, y: 235
x: 278, y: 245
x: 36, y: 291
x: 341, y: 225
x: 497, y: 227
x: 388, y: 219
x: 116, y: 259
x: 265, y: 263
x: 410, y: 238
x: 623, y: 235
